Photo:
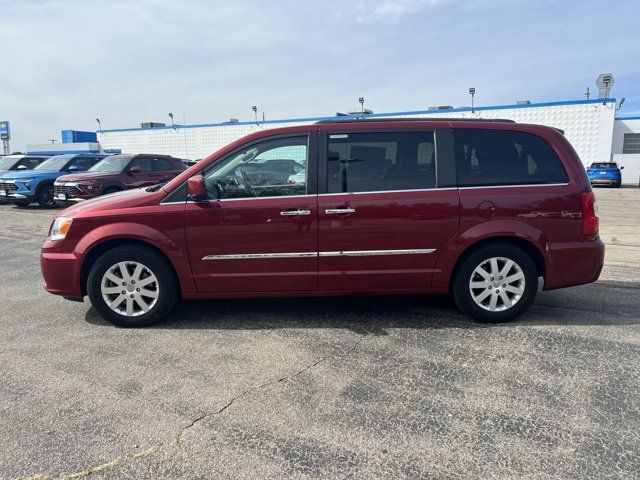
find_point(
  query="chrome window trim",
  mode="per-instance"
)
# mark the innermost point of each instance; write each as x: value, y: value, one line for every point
x: 518, y: 186
x: 337, y: 253
x: 389, y: 191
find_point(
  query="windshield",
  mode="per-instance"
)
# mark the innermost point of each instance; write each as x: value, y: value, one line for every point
x: 603, y: 165
x: 114, y: 164
x: 54, y: 164
x: 7, y: 162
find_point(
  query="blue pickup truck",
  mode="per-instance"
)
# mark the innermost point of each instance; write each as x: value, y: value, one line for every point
x: 26, y: 187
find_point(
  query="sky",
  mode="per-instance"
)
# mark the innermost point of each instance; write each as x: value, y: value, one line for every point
x: 67, y: 62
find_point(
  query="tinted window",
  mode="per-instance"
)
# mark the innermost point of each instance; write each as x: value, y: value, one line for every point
x: 273, y: 167
x: 501, y: 157
x: 162, y: 164
x: 143, y: 163
x: 30, y: 162
x: 84, y: 163
x: 603, y: 165
x: 368, y: 162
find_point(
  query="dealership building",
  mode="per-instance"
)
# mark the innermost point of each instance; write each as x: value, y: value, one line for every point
x: 591, y: 125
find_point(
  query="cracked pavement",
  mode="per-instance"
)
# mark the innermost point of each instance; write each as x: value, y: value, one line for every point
x: 398, y: 387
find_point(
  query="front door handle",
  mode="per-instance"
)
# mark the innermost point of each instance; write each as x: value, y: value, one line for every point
x: 292, y: 213
x: 337, y: 211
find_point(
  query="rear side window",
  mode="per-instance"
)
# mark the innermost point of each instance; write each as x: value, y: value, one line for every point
x: 369, y: 162
x: 502, y: 157
x: 162, y: 164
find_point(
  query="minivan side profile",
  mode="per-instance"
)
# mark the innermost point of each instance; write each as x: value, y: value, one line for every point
x: 489, y: 211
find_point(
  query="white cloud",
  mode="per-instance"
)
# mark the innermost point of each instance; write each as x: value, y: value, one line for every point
x: 389, y: 11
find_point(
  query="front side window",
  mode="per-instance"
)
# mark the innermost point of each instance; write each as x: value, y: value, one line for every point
x: 504, y: 157
x: 269, y: 168
x: 366, y: 162
x: 113, y: 164
x: 143, y: 163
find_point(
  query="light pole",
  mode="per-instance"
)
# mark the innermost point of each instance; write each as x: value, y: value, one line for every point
x: 472, y: 92
x: 99, y: 125
x: 255, y: 113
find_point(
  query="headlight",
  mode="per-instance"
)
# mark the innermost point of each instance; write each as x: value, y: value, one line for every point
x: 70, y: 184
x: 25, y: 180
x: 60, y: 228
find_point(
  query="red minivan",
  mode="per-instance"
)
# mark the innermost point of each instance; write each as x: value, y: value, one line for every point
x: 490, y: 211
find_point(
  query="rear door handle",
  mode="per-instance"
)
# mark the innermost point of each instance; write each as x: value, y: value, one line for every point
x: 292, y: 213
x: 337, y: 211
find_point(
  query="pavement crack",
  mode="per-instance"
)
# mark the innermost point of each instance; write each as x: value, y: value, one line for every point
x: 233, y: 400
x: 136, y: 455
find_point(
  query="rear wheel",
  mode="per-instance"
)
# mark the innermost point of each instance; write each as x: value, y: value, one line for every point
x: 496, y: 283
x: 45, y: 196
x: 132, y: 286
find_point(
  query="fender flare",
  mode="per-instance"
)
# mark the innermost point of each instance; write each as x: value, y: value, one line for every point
x: 175, y: 253
x: 461, y: 243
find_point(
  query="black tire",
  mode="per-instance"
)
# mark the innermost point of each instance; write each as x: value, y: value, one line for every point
x: 21, y: 205
x: 44, y: 197
x: 109, y: 190
x: 167, y: 285
x: 461, y: 283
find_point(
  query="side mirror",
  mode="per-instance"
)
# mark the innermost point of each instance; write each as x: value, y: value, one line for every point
x: 134, y: 169
x: 72, y: 168
x: 196, y: 189
x: 22, y: 167
x: 621, y: 168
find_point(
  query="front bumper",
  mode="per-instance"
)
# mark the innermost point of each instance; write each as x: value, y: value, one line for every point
x: 61, y: 271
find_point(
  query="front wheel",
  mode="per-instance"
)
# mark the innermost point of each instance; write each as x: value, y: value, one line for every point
x: 45, y: 197
x: 132, y: 286
x: 496, y: 283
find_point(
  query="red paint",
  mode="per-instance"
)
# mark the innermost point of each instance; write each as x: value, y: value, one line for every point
x: 557, y: 221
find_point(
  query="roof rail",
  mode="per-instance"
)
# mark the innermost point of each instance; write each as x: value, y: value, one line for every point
x: 415, y: 119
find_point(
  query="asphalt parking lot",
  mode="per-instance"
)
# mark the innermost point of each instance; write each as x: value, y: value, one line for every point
x: 323, y: 388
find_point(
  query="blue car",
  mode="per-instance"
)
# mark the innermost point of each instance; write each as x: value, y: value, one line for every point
x: 25, y: 187
x: 605, y: 174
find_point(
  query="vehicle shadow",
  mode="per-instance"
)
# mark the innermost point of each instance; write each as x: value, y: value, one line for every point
x: 374, y: 314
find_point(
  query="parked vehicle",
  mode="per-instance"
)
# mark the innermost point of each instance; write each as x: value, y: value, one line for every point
x: 116, y: 173
x: 20, y: 162
x: 495, y: 211
x: 605, y: 173
x: 24, y: 188
x: 189, y: 163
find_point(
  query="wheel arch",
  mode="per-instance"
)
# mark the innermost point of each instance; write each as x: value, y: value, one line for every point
x: 99, y: 241
x: 528, y: 246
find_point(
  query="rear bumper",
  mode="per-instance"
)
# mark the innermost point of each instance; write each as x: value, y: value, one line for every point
x: 61, y: 272
x: 604, y: 181
x: 574, y: 263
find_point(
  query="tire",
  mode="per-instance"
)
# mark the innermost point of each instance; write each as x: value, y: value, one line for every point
x: 476, y: 303
x: 128, y: 312
x: 44, y: 197
x: 21, y: 204
x: 109, y: 190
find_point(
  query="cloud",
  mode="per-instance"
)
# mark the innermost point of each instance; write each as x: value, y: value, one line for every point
x: 67, y: 62
x: 389, y: 11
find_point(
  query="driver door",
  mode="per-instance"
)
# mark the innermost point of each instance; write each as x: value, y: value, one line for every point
x: 258, y: 230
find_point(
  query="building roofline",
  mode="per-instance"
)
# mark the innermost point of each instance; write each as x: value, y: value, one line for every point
x: 629, y: 117
x: 372, y: 115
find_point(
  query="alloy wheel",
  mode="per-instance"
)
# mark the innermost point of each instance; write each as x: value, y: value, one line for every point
x: 497, y: 284
x: 130, y: 288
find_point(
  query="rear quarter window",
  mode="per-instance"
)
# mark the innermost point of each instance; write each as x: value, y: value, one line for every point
x: 504, y: 157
